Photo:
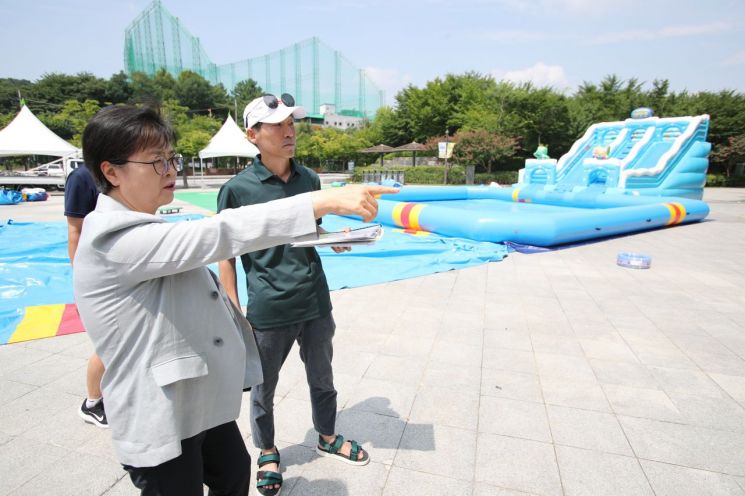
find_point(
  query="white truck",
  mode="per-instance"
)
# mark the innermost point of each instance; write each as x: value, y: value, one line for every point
x: 51, y: 175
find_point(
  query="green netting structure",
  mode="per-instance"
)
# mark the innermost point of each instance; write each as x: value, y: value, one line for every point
x: 314, y: 73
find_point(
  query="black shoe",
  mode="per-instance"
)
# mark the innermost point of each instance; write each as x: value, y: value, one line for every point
x: 95, y: 415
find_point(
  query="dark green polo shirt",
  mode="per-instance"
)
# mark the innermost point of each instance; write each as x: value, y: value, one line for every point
x: 285, y: 285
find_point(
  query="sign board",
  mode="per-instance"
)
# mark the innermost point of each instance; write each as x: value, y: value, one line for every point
x: 441, y: 148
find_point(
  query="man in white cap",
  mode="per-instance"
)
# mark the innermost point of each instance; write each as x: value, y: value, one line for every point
x: 288, y: 297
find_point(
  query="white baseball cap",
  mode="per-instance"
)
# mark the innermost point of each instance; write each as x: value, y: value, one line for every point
x: 270, y: 109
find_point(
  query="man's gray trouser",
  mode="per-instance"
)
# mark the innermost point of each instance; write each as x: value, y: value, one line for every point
x: 316, y: 351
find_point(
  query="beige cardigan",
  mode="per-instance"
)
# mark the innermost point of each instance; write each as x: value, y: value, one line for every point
x: 177, y: 352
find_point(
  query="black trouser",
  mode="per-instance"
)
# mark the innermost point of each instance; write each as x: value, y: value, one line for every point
x: 314, y: 338
x: 216, y: 457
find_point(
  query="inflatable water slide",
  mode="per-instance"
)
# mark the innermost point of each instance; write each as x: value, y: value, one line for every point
x: 645, y: 156
x: 619, y: 177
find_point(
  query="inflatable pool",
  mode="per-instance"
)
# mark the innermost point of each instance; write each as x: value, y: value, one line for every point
x: 532, y: 215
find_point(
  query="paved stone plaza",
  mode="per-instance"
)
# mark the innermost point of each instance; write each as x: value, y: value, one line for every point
x: 551, y: 374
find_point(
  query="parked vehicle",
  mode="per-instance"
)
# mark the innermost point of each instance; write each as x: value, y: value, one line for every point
x: 56, y: 170
x: 51, y: 175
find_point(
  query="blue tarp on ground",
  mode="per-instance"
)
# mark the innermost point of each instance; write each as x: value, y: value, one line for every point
x: 400, y: 255
x: 35, y: 268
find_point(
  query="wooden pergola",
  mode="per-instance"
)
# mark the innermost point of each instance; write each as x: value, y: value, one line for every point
x: 381, y: 149
x: 411, y: 147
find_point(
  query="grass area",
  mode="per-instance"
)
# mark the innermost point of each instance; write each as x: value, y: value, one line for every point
x: 202, y: 199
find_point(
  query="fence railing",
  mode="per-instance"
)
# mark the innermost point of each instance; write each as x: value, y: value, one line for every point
x: 379, y: 176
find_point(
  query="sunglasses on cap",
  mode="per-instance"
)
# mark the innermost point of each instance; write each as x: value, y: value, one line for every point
x: 272, y: 101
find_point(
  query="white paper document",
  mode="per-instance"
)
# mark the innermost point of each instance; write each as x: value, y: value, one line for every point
x: 361, y: 236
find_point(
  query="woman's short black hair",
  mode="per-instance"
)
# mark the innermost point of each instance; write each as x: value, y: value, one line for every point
x: 116, y: 133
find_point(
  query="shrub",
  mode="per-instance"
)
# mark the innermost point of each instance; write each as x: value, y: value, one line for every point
x: 419, y: 175
x: 720, y: 180
x: 502, y: 177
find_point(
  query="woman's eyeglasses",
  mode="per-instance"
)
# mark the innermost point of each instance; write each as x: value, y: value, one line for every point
x: 272, y: 102
x: 161, y: 165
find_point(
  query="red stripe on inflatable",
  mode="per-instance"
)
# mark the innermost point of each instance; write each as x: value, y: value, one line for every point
x: 405, y: 214
x: 676, y: 214
x: 70, y: 323
x: 680, y: 210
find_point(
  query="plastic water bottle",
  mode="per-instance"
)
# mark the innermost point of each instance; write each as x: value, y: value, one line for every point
x: 634, y: 260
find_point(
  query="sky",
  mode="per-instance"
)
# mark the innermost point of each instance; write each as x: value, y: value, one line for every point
x: 696, y: 45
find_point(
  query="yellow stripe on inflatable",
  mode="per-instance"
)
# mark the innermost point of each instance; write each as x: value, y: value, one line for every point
x: 414, y: 216
x: 677, y: 213
x: 516, y: 194
x: 396, y: 214
x: 411, y: 232
x: 40, y: 321
x: 671, y: 213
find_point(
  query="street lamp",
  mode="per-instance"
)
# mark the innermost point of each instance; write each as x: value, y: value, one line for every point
x: 446, y: 148
x: 446, y: 156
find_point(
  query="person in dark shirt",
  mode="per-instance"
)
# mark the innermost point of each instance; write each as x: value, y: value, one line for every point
x: 289, y: 297
x: 80, y: 199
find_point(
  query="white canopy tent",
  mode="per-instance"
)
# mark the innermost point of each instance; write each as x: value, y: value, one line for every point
x: 230, y: 141
x: 27, y: 135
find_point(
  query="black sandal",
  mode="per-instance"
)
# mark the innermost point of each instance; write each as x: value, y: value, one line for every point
x: 332, y: 450
x: 265, y: 479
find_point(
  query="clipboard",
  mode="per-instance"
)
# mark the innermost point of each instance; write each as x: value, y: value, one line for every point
x: 360, y: 236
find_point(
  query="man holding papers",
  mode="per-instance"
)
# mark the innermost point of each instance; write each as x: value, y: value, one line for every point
x: 289, y: 298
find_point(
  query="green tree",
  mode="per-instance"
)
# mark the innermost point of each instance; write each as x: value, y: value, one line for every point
x: 54, y: 88
x: 71, y: 120
x: 317, y: 146
x: 176, y: 114
x: 387, y: 128
x: 612, y: 100
x: 447, y: 104
x: 534, y: 116
x: 204, y: 123
x: 198, y: 94
x: 165, y: 85
x: 731, y: 154
x: 192, y: 142
x: 9, y: 89
x: 223, y: 103
x: 303, y: 133
x: 243, y: 93
x: 118, y: 89
x: 91, y: 87
x: 727, y: 111
x: 193, y: 132
x: 483, y: 149
x: 144, y: 89
x: 471, y: 92
x: 189, y: 145
x: 421, y: 112
x: 6, y: 119
x: 657, y: 97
